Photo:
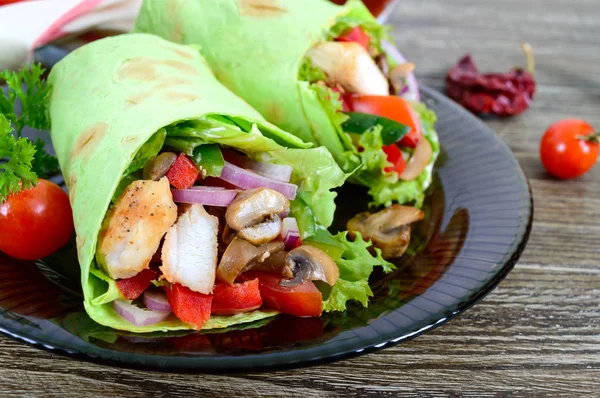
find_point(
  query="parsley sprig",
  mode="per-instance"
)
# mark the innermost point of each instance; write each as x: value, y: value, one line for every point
x: 21, y: 160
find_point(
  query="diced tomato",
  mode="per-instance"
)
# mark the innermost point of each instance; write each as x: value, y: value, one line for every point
x: 394, y: 156
x: 189, y: 306
x: 183, y: 173
x: 133, y: 287
x: 236, y: 298
x: 356, y: 35
x: 301, y: 300
x: 391, y: 107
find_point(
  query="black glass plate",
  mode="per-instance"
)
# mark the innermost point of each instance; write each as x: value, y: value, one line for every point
x: 479, y: 212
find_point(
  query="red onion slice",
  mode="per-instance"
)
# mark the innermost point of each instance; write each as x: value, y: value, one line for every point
x: 290, y: 232
x: 156, y: 300
x: 248, y: 180
x: 138, y: 316
x: 208, y: 196
x: 279, y: 172
x: 412, y: 92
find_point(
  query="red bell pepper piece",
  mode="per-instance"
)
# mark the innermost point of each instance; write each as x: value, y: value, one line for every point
x: 236, y: 298
x: 132, y: 288
x: 189, y: 306
x: 301, y: 300
x: 356, y: 35
x: 183, y: 173
x: 394, y: 156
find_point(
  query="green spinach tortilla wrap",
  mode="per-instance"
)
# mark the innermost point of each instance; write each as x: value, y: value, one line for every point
x: 179, y: 187
x: 319, y: 71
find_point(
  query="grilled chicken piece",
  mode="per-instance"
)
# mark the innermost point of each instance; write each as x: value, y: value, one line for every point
x: 189, y: 252
x: 134, y: 227
x: 350, y: 65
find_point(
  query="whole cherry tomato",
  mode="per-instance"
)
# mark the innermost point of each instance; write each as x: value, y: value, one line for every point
x: 569, y: 148
x: 35, y: 222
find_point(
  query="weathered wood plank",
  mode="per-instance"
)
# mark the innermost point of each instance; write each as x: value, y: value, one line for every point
x: 537, y: 334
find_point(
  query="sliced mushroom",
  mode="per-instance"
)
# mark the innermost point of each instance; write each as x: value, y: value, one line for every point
x: 307, y: 263
x: 398, y: 74
x: 264, y: 232
x: 388, y: 229
x: 254, y: 206
x: 157, y: 167
x: 274, y: 264
x: 240, y: 253
x: 418, y: 161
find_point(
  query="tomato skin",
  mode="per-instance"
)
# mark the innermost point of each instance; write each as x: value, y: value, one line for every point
x: 189, y: 306
x: 563, y: 150
x: 391, y: 107
x: 132, y: 288
x: 394, y: 156
x: 183, y: 173
x: 35, y: 222
x: 236, y: 298
x: 356, y: 35
x: 7, y: 2
x: 302, y: 300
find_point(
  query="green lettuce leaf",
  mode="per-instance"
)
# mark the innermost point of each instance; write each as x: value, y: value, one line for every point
x: 310, y: 73
x: 149, y: 150
x: 356, y: 265
x: 359, y: 15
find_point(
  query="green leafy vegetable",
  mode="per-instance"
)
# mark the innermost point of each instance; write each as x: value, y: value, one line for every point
x: 150, y: 149
x: 359, y: 123
x: 355, y: 265
x: 43, y: 163
x: 310, y: 73
x: 359, y: 15
x: 17, y: 169
x: 27, y: 86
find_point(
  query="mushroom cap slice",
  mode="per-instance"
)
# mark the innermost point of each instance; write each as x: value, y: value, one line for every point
x: 240, y: 253
x: 388, y: 229
x: 274, y: 264
x: 308, y: 263
x: 264, y: 232
x: 253, y: 206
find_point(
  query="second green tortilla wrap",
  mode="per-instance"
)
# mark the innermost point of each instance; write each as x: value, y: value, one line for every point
x: 114, y: 102
x: 257, y: 48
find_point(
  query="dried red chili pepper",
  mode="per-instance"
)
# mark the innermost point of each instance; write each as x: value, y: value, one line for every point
x: 500, y: 94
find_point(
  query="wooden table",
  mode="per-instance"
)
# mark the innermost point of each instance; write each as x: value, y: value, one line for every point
x: 538, y: 333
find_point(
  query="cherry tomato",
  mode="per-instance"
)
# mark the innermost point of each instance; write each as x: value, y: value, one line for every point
x: 569, y: 148
x: 301, y: 300
x: 391, y: 107
x: 7, y: 2
x: 35, y: 222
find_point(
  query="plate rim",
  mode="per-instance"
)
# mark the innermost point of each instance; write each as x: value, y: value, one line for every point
x: 286, y: 359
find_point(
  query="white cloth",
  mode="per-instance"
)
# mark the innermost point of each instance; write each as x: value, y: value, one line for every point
x: 27, y: 25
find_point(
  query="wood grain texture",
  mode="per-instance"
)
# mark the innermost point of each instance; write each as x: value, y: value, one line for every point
x: 537, y: 334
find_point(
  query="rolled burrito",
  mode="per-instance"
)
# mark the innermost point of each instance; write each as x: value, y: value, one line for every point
x: 191, y: 211
x: 319, y: 71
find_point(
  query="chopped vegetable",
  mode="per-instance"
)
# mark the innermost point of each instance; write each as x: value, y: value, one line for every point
x: 356, y: 35
x: 35, y: 222
x: 419, y: 160
x: 247, y: 179
x: 359, y: 123
x: 139, y: 316
x: 236, y: 298
x: 394, y: 108
x: 301, y: 300
x: 183, y: 173
x: 209, y: 159
x: 569, y: 148
x: 394, y: 156
x: 189, y: 306
x: 156, y: 300
x: 290, y: 234
x: 132, y: 288
x: 500, y: 94
x: 208, y: 196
